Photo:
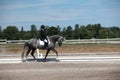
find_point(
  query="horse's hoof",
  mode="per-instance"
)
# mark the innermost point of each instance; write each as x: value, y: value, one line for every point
x: 57, y: 57
x: 57, y: 60
x: 23, y: 61
x: 36, y: 61
x: 44, y: 60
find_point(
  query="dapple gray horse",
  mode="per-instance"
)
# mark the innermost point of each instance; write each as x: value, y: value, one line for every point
x: 34, y: 44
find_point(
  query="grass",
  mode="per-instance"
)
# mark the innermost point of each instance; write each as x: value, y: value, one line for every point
x: 17, y: 48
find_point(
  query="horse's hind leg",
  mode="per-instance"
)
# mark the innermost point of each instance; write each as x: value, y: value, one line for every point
x: 28, y: 51
x: 22, y: 56
x: 32, y: 53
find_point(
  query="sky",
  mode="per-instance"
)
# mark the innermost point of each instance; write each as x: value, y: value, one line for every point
x: 59, y: 12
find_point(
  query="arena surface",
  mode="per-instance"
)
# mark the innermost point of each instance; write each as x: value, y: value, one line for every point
x: 87, y: 70
x: 70, y: 67
x: 75, y: 62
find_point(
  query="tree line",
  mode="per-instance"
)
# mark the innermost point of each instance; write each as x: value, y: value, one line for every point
x: 70, y: 32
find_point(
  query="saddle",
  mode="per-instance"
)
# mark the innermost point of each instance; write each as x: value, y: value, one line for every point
x: 42, y: 42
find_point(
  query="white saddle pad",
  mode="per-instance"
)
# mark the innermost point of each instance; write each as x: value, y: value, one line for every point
x: 42, y: 42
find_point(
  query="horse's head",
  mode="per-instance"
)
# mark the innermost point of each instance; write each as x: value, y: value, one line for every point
x: 60, y: 40
x: 56, y: 38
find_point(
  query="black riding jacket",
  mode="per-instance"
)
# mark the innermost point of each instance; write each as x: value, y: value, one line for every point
x: 43, y: 34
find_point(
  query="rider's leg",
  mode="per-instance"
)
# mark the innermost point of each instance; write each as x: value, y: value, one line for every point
x: 46, y: 43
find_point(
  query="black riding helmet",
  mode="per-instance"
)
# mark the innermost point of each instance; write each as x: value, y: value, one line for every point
x: 43, y: 26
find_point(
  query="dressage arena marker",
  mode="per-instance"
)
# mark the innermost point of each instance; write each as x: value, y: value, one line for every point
x: 64, y: 59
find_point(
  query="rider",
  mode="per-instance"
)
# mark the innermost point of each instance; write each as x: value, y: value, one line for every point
x: 43, y: 35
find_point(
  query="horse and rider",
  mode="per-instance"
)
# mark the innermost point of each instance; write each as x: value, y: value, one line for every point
x: 49, y: 44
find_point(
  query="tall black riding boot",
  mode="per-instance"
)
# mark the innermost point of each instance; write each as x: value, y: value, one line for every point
x: 46, y: 45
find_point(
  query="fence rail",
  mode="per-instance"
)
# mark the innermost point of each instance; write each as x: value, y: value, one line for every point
x: 4, y: 41
x: 75, y: 41
x: 94, y: 41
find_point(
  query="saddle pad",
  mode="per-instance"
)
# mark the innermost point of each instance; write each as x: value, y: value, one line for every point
x: 41, y: 42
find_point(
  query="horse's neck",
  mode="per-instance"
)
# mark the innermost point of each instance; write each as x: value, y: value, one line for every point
x: 53, y: 40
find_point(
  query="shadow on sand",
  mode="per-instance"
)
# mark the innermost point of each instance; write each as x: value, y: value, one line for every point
x: 42, y: 60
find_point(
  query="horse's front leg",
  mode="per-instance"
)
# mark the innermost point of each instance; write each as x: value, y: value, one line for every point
x: 55, y: 52
x: 46, y: 54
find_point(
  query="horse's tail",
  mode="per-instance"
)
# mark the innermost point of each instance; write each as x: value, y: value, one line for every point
x: 23, y: 52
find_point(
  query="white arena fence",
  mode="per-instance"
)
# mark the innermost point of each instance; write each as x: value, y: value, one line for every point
x: 73, y: 41
x: 94, y: 41
x: 5, y: 41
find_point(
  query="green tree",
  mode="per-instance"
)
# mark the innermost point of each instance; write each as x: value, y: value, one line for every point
x: 53, y: 31
x: 33, y: 31
x: 94, y: 28
x: 1, y: 33
x: 59, y: 30
x: 27, y: 35
x: 69, y: 32
x: 104, y: 33
x: 63, y: 32
x: 11, y: 33
x: 22, y: 33
x: 77, y: 32
x: 85, y: 33
x: 97, y: 28
x: 118, y: 33
x: 115, y: 31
